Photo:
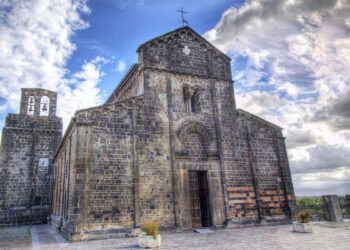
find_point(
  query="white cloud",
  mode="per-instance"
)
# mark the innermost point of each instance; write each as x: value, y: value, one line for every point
x: 124, y: 4
x: 298, y: 54
x: 80, y: 91
x: 35, y: 44
x: 120, y: 67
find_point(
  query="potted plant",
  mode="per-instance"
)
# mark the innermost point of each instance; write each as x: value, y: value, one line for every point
x: 303, y: 225
x: 150, y: 237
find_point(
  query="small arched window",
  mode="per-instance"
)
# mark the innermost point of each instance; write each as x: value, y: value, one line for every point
x: 44, y: 106
x: 195, y: 101
x: 31, y: 103
x: 191, y: 100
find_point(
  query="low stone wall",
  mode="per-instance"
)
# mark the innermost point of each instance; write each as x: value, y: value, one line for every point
x: 24, y: 216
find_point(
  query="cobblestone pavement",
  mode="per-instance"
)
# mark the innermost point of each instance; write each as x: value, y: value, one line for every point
x: 325, y: 236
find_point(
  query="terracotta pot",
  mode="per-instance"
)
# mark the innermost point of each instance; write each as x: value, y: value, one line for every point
x: 302, y: 227
x: 146, y: 241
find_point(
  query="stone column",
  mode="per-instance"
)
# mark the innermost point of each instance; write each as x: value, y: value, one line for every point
x: 332, y: 208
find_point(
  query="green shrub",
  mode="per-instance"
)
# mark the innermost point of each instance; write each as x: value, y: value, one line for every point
x: 150, y: 228
x: 306, y: 201
x: 305, y: 216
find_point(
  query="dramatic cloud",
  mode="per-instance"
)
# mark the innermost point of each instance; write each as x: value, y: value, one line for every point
x: 291, y: 62
x: 35, y: 44
x: 314, y: 183
x: 335, y: 112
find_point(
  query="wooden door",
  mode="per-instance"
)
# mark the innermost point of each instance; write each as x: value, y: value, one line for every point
x: 194, y: 200
x: 199, y: 199
x: 204, y: 198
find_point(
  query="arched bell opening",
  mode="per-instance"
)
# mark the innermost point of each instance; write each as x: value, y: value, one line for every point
x: 31, y: 105
x: 44, y: 106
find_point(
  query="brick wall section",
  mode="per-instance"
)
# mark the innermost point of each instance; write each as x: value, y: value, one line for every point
x: 24, y: 185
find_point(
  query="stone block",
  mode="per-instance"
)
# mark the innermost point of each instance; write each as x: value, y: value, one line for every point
x: 332, y: 208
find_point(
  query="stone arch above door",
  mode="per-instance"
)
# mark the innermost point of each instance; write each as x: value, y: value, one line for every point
x: 195, y: 127
x: 197, y: 135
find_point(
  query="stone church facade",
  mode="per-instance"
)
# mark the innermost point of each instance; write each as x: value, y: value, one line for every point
x: 28, y: 144
x: 170, y: 145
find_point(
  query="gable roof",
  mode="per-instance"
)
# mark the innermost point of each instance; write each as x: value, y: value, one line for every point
x: 188, y: 29
x: 130, y: 72
x: 258, y: 118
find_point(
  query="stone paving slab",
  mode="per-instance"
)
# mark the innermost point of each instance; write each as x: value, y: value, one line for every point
x: 325, y: 236
x: 44, y: 237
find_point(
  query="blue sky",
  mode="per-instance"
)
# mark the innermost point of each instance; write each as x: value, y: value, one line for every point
x: 118, y: 27
x: 290, y: 63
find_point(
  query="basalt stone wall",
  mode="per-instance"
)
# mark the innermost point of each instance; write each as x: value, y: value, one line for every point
x: 64, y: 183
x: 27, y: 148
x: 133, y: 155
x: 266, y: 162
x: 258, y: 181
x: 192, y: 140
x: 120, y: 176
x: 184, y: 51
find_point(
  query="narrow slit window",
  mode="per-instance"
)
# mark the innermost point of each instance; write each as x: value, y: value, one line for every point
x: 193, y: 104
x: 187, y: 97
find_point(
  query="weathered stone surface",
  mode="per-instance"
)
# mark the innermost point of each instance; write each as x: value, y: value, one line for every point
x: 149, y: 242
x: 332, y: 208
x: 128, y: 161
x: 302, y: 227
x: 27, y: 147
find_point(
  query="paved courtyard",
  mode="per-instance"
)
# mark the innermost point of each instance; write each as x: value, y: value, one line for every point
x: 325, y: 236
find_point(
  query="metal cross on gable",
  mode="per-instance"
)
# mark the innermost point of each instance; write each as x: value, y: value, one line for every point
x: 182, y: 15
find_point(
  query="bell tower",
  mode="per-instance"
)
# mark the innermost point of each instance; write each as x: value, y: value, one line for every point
x: 38, y: 102
x: 28, y: 144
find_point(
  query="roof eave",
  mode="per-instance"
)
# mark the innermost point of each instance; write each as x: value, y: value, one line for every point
x: 131, y: 70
